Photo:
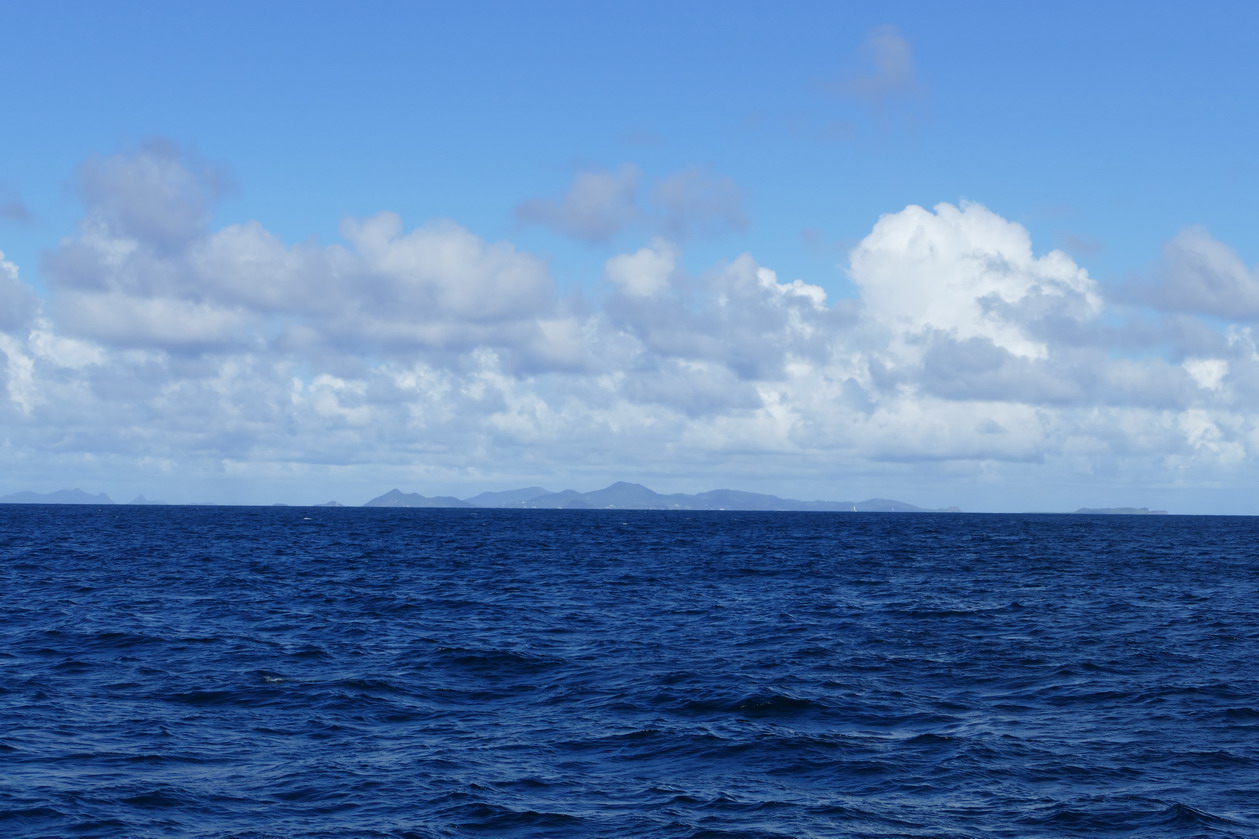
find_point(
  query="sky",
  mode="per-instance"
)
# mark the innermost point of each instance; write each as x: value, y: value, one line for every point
x: 1001, y: 256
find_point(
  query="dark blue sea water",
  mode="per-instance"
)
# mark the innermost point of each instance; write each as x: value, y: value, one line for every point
x: 298, y: 672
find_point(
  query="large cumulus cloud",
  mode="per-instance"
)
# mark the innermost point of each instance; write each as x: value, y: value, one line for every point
x: 968, y: 273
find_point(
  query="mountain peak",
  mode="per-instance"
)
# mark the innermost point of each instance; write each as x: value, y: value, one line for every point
x: 397, y: 498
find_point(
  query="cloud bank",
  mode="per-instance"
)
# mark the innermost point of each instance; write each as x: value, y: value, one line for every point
x: 426, y: 353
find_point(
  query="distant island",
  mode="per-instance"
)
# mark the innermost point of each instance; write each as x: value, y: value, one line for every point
x: 71, y: 496
x: 628, y: 496
x: 1119, y: 511
x: 61, y: 496
x: 621, y: 495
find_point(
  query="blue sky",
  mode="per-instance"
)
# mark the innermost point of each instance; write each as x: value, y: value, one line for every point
x: 670, y: 244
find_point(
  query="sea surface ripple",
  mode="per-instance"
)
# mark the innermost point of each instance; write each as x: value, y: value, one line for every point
x: 312, y: 672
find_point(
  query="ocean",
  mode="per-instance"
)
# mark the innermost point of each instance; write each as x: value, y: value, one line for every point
x: 313, y: 672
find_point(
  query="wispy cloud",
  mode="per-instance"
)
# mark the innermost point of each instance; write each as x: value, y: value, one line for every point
x: 602, y: 204
x: 1201, y: 275
x: 694, y: 202
x: 13, y: 209
x: 888, y: 67
x: 595, y: 208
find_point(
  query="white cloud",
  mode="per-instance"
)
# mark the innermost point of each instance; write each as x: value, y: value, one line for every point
x: 966, y: 272
x: 64, y: 352
x: 738, y: 314
x: 644, y: 273
x: 18, y: 371
x: 179, y: 325
x: 693, y: 388
x: 246, y: 265
x: 439, y: 288
x: 1208, y: 373
x: 155, y: 195
x: 443, y: 268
